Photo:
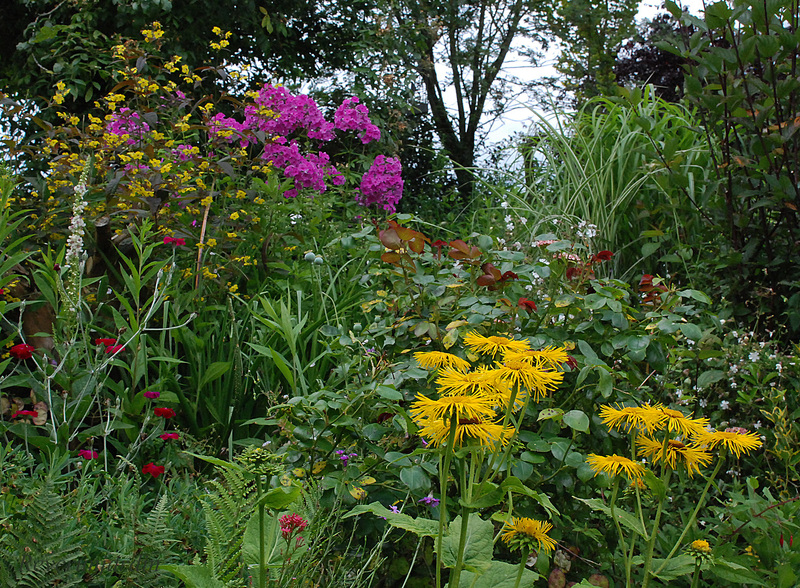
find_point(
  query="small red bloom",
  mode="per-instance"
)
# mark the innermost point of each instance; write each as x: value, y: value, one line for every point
x: 114, y: 348
x: 604, y: 255
x: 528, y: 305
x: 152, y: 395
x: 105, y: 342
x: 168, y: 436
x: 291, y: 523
x: 174, y: 241
x: 153, y: 469
x: 572, y: 362
x: 30, y: 413
x: 88, y: 454
x: 22, y: 351
x: 161, y: 411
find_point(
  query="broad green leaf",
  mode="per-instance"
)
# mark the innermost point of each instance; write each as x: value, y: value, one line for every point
x: 415, y: 478
x: 477, y: 546
x: 680, y: 565
x: 691, y: 331
x: 550, y: 413
x: 733, y: 572
x: 709, y: 377
x: 577, y: 419
x: 625, y: 518
x: 214, y: 372
x: 280, y: 497
x: 499, y: 575
x: 419, y: 526
x: 194, y: 576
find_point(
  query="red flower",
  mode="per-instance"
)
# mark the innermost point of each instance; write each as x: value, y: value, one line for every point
x: 153, y: 469
x: 174, y: 241
x: 30, y: 413
x: 167, y: 436
x: 88, y: 454
x: 291, y: 523
x: 105, y: 342
x: 647, y: 280
x: 22, y: 351
x: 161, y: 411
x: 604, y: 255
x: 572, y: 362
x: 528, y: 305
x: 114, y: 348
x: 152, y: 395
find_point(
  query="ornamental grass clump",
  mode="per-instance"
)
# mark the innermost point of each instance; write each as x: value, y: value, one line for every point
x: 668, y: 444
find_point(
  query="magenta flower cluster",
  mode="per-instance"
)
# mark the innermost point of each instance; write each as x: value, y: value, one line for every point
x: 352, y: 116
x: 382, y: 184
x: 127, y: 122
x: 285, y: 120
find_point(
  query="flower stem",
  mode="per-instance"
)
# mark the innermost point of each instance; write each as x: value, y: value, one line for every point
x: 444, y: 473
x: 521, y: 569
x: 462, y: 542
x: 654, y: 532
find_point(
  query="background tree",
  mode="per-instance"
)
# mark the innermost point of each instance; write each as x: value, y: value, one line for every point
x: 461, y: 48
x: 591, y: 34
x: 640, y: 61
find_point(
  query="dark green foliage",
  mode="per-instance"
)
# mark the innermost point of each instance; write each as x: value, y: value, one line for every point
x: 743, y: 80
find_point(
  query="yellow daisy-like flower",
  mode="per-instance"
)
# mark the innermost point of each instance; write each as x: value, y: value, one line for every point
x: 457, y: 382
x: 676, y: 453
x: 438, y: 359
x: 493, y: 345
x: 613, y: 465
x: 676, y: 421
x: 701, y: 545
x: 734, y: 439
x: 465, y: 407
x: 553, y: 357
x: 484, y: 431
x: 525, y: 532
x: 535, y: 378
x: 625, y: 418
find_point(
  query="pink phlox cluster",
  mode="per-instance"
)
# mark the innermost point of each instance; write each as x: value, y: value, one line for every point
x: 183, y: 152
x: 220, y: 123
x: 382, y: 184
x: 307, y: 171
x: 294, y: 113
x: 352, y: 116
x: 127, y: 122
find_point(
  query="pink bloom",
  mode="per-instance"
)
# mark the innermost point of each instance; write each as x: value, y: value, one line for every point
x: 30, y: 413
x: 161, y: 411
x: 88, y: 454
x: 290, y: 524
x: 382, y: 184
x: 168, y: 436
x: 21, y: 351
x: 153, y: 469
x: 152, y: 395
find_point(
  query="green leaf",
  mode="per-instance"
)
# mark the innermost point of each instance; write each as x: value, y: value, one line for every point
x: 279, y: 497
x: 499, y: 575
x: 577, y: 419
x: 709, y: 377
x: 649, y: 248
x: 194, y: 576
x: 388, y: 393
x: 695, y: 294
x: 415, y: 478
x: 624, y: 517
x: 691, y: 331
x: 679, y: 565
x: 550, y: 413
x: 419, y: 526
x: 605, y: 384
x: 214, y: 372
x: 487, y: 495
x: 477, y: 555
x: 735, y: 573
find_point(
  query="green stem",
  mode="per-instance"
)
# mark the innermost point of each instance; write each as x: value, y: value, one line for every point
x: 693, y: 516
x: 521, y: 567
x: 444, y: 473
x: 654, y: 533
x: 262, y: 558
x: 614, y: 518
x: 696, y: 576
x: 462, y: 542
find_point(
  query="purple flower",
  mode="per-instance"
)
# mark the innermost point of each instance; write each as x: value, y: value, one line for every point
x: 352, y: 116
x: 382, y: 184
x: 394, y: 509
x: 344, y: 456
x: 152, y: 395
x: 429, y: 501
x: 127, y: 122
